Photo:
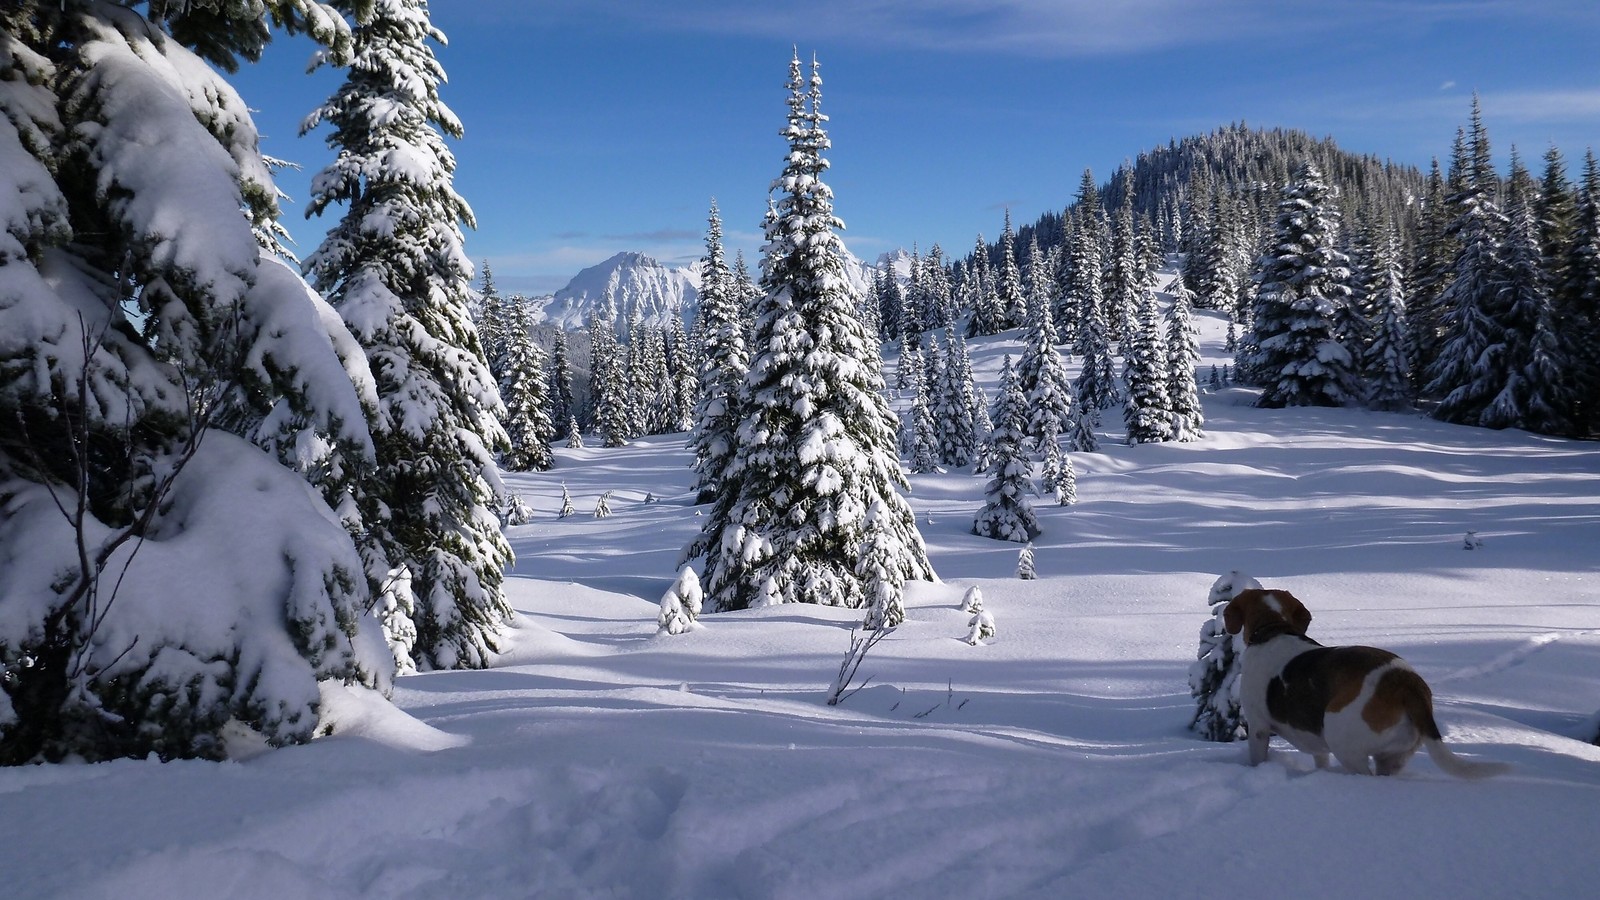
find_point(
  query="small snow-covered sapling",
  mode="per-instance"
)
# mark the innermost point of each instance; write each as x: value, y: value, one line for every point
x: 1214, y: 676
x: 981, y: 628
x: 972, y: 600
x: 602, y: 507
x: 1025, y: 564
x: 1067, y: 483
x: 516, y: 511
x: 566, y: 503
x: 680, y: 605
x: 1472, y: 541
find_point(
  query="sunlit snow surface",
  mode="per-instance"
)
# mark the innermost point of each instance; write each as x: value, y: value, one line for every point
x: 602, y: 759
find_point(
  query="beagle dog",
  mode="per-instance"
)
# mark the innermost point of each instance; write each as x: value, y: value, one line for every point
x: 1361, y: 704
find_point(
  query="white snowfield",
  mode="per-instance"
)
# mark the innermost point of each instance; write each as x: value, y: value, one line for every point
x: 600, y: 759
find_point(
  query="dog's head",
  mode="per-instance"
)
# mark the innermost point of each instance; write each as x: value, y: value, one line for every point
x: 1253, y: 610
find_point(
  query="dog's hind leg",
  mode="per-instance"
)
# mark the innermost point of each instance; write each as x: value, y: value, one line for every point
x: 1392, y: 763
x: 1360, y: 765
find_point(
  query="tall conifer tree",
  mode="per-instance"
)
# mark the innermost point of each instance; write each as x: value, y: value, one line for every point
x: 1304, y: 283
x: 816, y: 449
x: 1183, y: 356
x: 395, y: 270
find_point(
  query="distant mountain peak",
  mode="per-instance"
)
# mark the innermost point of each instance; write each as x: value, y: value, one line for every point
x: 637, y: 280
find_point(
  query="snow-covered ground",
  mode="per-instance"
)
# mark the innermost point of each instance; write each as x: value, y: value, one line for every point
x: 603, y: 760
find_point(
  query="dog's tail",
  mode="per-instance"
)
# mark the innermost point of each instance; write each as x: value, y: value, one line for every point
x: 1445, y: 759
x: 1420, y: 709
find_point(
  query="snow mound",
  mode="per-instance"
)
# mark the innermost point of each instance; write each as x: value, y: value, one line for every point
x: 354, y: 711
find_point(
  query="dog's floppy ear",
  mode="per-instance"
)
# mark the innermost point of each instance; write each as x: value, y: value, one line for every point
x: 1233, y: 616
x: 1298, y: 616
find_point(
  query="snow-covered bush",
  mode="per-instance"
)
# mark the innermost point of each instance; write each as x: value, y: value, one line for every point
x: 567, y: 508
x: 1214, y: 677
x: 980, y: 628
x: 602, y: 507
x: 972, y: 600
x: 516, y: 510
x: 680, y: 605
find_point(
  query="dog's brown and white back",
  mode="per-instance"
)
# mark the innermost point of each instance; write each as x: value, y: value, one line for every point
x: 1363, y: 705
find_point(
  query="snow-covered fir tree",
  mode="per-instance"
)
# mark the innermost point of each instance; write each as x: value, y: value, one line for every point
x: 981, y: 627
x: 1533, y: 395
x: 491, y: 323
x: 1067, y: 482
x: 1042, y: 375
x: 516, y: 510
x: 1007, y: 513
x: 1096, y: 386
x: 1464, y: 311
x: 1183, y: 356
x: 988, y: 312
x: 1387, y: 360
x: 567, y: 508
x: 683, y: 373
x: 955, y: 401
x: 1080, y: 433
x: 559, y: 390
x: 924, y: 451
x: 1008, y: 279
x: 816, y: 442
x: 609, y: 379
x: 1577, y: 300
x: 876, y: 567
x: 1214, y: 677
x: 134, y: 188
x: 1148, y: 409
x: 1304, y: 283
x: 1080, y: 280
x: 394, y: 268
x: 522, y: 388
x: 1433, y: 253
x: 908, y: 373
x: 1051, y: 458
x: 935, y: 305
x: 723, y: 364
x: 680, y: 605
x: 602, y: 506
x: 574, y: 434
x: 652, y: 384
x: 1124, y: 276
x: 891, y: 303
x: 1025, y: 569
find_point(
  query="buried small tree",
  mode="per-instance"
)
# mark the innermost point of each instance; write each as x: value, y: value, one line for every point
x: 1214, y: 677
x: 680, y: 605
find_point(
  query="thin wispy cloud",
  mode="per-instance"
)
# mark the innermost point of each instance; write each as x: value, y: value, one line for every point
x: 1543, y: 107
x: 1045, y: 28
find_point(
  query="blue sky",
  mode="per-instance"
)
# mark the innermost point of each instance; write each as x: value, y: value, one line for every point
x: 596, y: 126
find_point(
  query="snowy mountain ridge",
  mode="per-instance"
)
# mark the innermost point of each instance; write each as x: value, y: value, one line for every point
x: 636, y: 280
